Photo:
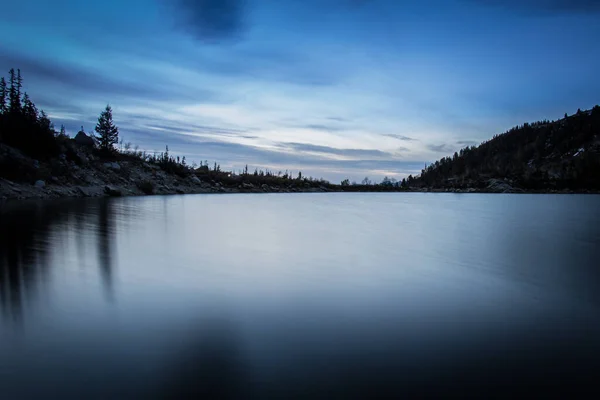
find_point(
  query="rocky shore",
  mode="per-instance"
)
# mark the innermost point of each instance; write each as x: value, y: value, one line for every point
x: 80, y: 172
x: 84, y: 174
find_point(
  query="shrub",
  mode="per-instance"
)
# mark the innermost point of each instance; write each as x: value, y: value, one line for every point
x: 146, y: 186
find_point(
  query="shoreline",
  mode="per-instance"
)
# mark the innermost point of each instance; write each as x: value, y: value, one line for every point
x: 13, y: 191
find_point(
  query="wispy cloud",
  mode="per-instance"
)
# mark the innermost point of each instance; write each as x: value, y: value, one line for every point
x: 543, y: 7
x: 441, y: 148
x: 467, y: 142
x: 399, y: 137
x: 331, y: 151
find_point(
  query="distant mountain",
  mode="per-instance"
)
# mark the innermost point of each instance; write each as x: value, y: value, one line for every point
x: 543, y: 156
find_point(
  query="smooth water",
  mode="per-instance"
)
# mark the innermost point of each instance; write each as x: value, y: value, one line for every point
x: 299, y: 295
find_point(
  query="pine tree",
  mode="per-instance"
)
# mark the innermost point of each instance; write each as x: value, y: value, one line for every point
x: 30, y: 112
x: 19, y: 84
x: 44, y: 121
x: 107, y: 131
x: 13, y: 99
x: 3, y: 96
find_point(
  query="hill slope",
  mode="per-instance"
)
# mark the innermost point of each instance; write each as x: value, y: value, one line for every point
x: 543, y: 156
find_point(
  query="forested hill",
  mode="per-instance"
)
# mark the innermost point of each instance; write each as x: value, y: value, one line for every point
x: 557, y: 155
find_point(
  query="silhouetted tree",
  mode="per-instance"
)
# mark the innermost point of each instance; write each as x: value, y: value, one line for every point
x: 107, y: 131
x: 3, y: 96
x: 30, y: 112
x: 63, y: 131
x: 13, y: 98
x: 45, y: 122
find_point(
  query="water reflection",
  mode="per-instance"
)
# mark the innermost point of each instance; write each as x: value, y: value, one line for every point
x: 23, y: 255
x: 31, y: 231
x: 305, y: 296
x: 105, y: 231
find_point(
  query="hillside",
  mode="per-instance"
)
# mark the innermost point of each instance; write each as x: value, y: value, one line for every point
x: 561, y: 155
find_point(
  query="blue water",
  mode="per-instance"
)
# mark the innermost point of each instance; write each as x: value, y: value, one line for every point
x: 299, y: 295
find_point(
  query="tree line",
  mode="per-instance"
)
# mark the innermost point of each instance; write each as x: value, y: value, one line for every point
x: 562, y: 154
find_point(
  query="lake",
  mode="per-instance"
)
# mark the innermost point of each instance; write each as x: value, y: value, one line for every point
x: 299, y: 295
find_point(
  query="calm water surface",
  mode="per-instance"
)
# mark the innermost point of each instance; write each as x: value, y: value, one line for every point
x: 299, y: 295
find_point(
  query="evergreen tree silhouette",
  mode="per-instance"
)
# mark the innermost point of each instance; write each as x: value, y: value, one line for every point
x: 107, y: 131
x: 13, y: 99
x: 30, y: 112
x: 45, y: 122
x: 3, y: 96
x: 19, y: 87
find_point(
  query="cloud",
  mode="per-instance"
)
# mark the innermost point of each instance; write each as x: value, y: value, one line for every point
x: 211, y: 20
x: 322, y: 127
x: 90, y: 82
x: 399, y: 137
x: 544, y: 6
x: 467, y: 143
x: 326, y: 150
x: 442, y: 148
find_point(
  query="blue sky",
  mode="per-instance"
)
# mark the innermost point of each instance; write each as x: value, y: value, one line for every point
x: 335, y: 88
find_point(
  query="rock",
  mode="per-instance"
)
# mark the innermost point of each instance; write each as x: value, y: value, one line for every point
x: 265, y: 187
x: 40, y: 184
x: 195, y: 180
x: 54, y: 179
x: 84, y: 140
x: 36, y: 164
x: 112, y: 165
x: 245, y: 185
x: 90, y: 191
x: 112, y: 191
x: 499, y: 186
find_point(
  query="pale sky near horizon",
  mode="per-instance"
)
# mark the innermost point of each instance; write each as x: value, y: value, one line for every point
x: 335, y: 88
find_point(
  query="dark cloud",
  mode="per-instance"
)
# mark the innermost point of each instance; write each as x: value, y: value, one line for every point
x: 544, y: 6
x: 322, y: 127
x: 211, y: 20
x: 400, y: 137
x: 312, y: 148
x: 92, y: 83
x: 442, y: 148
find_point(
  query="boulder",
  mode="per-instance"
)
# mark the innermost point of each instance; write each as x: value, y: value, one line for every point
x: 89, y: 191
x: 499, y: 186
x: 84, y: 140
x: 112, y: 165
x: 40, y: 184
x: 195, y: 180
x: 112, y: 191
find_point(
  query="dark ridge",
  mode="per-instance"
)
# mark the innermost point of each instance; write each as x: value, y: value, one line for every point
x: 542, y: 156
